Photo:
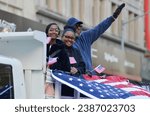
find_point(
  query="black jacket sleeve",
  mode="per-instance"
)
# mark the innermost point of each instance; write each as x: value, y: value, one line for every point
x: 62, y: 57
x: 80, y: 65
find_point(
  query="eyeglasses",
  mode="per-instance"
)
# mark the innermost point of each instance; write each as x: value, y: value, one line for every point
x: 69, y: 37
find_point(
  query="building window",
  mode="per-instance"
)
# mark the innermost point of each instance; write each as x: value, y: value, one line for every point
x: 102, y: 9
x: 117, y: 25
x: 52, y: 5
x: 136, y: 32
x: 132, y: 28
x: 75, y: 4
x: 81, y: 7
x: 96, y: 12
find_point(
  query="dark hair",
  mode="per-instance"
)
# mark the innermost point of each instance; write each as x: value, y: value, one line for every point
x: 48, y: 26
x: 68, y: 28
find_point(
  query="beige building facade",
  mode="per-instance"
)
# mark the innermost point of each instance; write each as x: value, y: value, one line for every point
x: 119, y: 49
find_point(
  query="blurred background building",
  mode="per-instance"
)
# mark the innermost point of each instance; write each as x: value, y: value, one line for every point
x: 121, y: 48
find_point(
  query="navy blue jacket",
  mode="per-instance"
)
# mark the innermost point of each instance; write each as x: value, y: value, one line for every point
x: 85, y: 40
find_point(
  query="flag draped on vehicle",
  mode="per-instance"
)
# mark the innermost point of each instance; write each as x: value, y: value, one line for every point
x: 96, y: 87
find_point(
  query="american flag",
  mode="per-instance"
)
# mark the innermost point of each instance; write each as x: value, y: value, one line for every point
x: 95, y: 87
x: 99, y: 69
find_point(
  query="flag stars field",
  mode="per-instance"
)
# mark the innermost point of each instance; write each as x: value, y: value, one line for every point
x: 91, y: 90
x: 112, y: 87
x: 89, y: 85
x: 79, y: 79
x: 80, y: 84
x: 70, y: 79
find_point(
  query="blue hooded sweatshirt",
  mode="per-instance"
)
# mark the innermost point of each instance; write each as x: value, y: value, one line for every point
x: 85, y: 40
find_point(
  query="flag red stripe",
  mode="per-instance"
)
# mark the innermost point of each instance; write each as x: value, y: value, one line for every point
x: 120, y: 82
x: 140, y: 93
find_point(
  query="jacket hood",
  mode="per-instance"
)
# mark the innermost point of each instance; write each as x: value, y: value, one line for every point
x: 73, y: 21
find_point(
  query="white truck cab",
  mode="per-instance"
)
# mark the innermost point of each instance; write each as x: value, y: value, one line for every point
x: 22, y: 65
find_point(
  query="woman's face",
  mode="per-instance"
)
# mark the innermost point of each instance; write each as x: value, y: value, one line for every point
x: 68, y: 38
x: 53, y: 32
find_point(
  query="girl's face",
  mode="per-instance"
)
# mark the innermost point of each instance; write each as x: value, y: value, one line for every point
x: 68, y: 38
x: 53, y: 32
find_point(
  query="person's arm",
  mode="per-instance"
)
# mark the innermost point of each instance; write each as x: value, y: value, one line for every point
x: 81, y: 67
x: 94, y: 33
x: 58, y: 51
x: 80, y: 63
x: 63, y: 60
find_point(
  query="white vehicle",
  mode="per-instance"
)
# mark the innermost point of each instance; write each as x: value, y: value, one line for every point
x: 22, y: 64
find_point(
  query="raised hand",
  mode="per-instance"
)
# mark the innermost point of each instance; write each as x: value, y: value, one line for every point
x: 118, y: 10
